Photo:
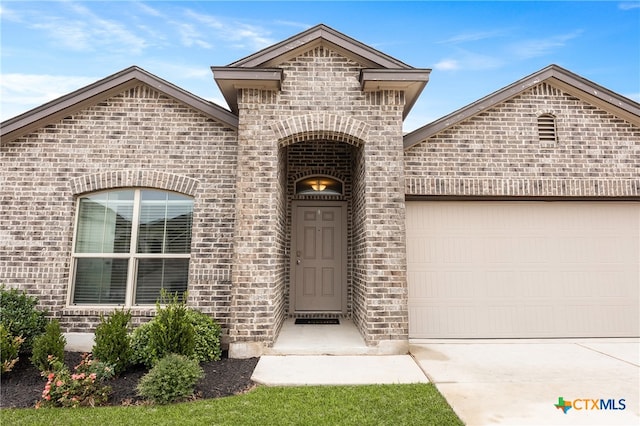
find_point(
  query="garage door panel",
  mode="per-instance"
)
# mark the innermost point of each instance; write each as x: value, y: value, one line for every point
x: 523, y: 269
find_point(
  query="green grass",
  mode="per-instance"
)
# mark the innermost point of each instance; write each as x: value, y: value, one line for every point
x: 418, y: 404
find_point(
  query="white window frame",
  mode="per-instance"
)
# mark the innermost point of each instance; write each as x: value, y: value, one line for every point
x: 133, y: 257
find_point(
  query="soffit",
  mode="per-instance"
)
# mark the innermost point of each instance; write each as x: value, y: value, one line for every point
x: 559, y: 77
x: 104, y: 89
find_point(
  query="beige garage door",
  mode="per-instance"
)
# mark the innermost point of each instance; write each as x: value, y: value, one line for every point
x: 523, y: 269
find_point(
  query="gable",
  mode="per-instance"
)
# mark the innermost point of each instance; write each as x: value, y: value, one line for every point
x: 499, y: 152
x: 320, y: 35
x: 377, y: 71
x: 102, y: 90
x: 553, y: 75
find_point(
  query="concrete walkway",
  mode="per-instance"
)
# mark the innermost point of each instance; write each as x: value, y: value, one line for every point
x: 300, y: 370
x: 519, y: 382
x: 493, y: 382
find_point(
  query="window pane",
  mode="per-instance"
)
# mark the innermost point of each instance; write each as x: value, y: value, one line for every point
x: 100, y: 281
x: 156, y: 274
x: 165, y: 223
x: 104, y: 223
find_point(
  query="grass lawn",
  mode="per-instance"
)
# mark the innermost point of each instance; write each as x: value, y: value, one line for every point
x: 418, y: 404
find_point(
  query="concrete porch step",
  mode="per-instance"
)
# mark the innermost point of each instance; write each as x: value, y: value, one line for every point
x: 320, y: 339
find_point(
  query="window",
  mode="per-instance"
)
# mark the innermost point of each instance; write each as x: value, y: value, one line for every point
x: 547, y: 129
x: 318, y: 185
x: 130, y: 244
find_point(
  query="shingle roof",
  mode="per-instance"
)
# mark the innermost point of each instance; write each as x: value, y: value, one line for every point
x: 557, y: 76
x: 104, y: 89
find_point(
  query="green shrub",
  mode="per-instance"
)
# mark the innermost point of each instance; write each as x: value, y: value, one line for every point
x: 173, y: 378
x: 20, y: 317
x: 207, y: 343
x: 207, y: 336
x: 9, y: 349
x: 112, y: 340
x: 47, y: 346
x: 85, y: 387
x: 139, y: 345
x: 170, y: 331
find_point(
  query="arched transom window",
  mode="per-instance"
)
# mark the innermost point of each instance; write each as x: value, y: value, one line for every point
x: 319, y: 185
x: 129, y: 245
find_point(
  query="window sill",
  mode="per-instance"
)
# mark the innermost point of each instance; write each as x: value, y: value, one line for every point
x: 90, y: 311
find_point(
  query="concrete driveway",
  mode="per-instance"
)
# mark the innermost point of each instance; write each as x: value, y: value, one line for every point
x: 519, y: 382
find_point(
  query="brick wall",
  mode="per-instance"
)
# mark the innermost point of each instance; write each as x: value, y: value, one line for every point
x: 497, y: 152
x: 139, y: 138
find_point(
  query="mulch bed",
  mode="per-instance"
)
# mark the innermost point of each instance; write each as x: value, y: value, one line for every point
x: 22, y: 387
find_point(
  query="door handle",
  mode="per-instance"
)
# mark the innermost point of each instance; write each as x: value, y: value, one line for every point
x: 297, y: 261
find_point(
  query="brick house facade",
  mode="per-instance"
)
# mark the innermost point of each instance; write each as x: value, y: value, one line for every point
x: 319, y: 104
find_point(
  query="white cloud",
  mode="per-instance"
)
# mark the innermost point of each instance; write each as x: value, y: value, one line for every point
x: 77, y: 28
x: 540, y: 47
x: 21, y: 92
x: 9, y: 14
x: 189, y: 36
x: 472, y: 36
x: 469, y: 61
x: 242, y: 35
x: 628, y: 5
x: 149, y: 10
x: 447, y: 65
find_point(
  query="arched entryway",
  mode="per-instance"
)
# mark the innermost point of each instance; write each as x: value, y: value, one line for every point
x: 320, y: 226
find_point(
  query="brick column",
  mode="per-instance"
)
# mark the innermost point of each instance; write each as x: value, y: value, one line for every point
x: 255, y: 265
x: 385, y: 314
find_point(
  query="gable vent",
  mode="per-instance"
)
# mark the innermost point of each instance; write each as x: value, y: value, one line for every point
x: 547, y: 129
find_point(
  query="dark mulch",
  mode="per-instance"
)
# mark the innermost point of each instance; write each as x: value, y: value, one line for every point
x: 22, y: 386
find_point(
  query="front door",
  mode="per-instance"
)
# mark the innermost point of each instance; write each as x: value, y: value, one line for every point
x: 318, y: 264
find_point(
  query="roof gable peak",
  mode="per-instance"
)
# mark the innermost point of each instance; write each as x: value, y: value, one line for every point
x: 104, y: 89
x: 556, y: 76
x: 320, y: 34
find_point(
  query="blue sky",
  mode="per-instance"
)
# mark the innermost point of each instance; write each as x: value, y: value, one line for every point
x: 51, y: 48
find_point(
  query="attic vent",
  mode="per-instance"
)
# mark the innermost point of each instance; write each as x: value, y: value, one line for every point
x: 547, y: 129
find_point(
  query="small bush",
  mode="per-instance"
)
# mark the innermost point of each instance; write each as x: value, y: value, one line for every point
x: 207, y: 337
x: 207, y: 340
x: 9, y: 349
x: 170, y: 331
x: 20, y: 316
x: 173, y: 378
x: 47, y: 345
x: 85, y: 387
x: 112, y: 340
x: 139, y: 345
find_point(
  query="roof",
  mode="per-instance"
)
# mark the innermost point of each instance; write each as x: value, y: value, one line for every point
x: 260, y: 69
x: 104, y: 89
x: 557, y: 76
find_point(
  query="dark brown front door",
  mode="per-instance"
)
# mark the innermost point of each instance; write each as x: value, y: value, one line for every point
x: 318, y: 258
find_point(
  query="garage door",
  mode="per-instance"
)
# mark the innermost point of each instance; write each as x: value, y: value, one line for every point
x: 523, y: 269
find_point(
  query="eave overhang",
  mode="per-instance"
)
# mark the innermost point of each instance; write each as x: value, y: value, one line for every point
x: 104, y: 89
x: 230, y: 79
x: 555, y: 75
x: 411, y: 81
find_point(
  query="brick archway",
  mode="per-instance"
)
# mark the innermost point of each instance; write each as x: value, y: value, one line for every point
x: 133, y: 178
x: 324, y: 126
